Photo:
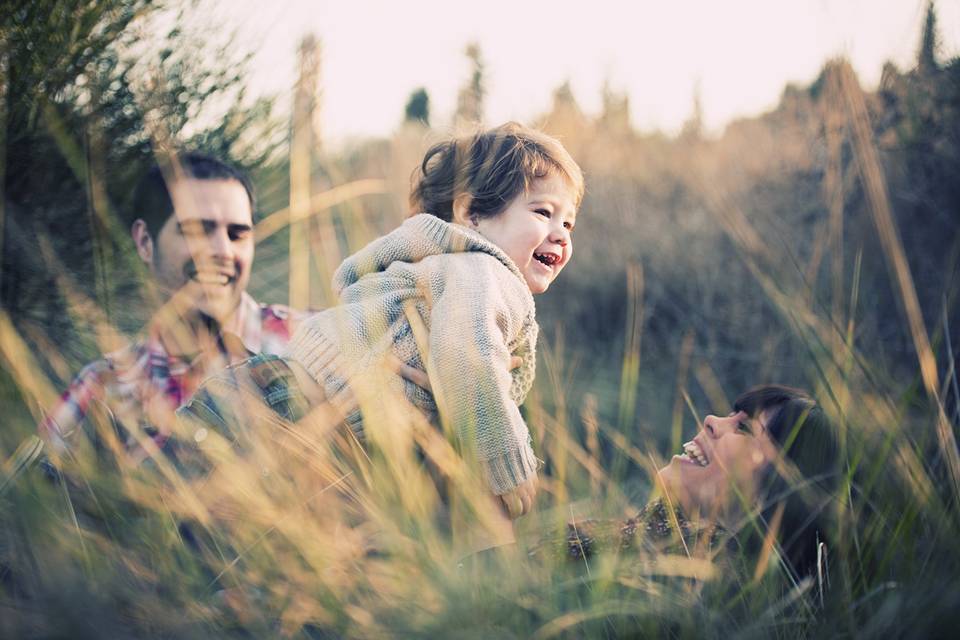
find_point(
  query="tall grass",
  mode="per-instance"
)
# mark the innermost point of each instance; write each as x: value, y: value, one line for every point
x: 296, y: 530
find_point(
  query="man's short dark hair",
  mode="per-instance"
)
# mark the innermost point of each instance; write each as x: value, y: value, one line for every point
x: 151, y: 197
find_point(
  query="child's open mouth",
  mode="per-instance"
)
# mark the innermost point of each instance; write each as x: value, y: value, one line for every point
x: 548, y: 259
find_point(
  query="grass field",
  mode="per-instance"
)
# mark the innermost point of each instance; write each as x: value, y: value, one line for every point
x: 816, y: 246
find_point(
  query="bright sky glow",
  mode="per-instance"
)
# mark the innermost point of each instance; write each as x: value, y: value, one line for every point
x: 741, y: 52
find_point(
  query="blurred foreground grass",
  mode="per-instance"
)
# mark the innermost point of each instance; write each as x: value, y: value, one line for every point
x: 815, y: 246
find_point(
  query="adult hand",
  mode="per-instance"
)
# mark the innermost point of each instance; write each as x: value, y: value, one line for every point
x: 519, y: 502
x: 420, y: 378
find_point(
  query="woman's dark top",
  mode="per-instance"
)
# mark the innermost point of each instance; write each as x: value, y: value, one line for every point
x: 655, y: 529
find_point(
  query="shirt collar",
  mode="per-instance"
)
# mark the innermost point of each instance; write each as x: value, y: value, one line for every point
x: 246, y: 325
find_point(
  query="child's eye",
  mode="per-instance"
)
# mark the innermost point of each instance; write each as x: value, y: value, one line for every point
x: 543, y: 212
x: 568, y: 226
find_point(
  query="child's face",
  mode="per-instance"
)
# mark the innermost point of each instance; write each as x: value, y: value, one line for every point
x: 535, y: 230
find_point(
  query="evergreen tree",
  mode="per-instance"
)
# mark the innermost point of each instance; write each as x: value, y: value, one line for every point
x: 470, y: 98
x: 615, y: 114
x: 565, y: 118
x: 927, y: 59
x: 418, y: 107
x: 693, y: 127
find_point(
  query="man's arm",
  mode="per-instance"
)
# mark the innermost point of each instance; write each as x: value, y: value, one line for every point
x: 64, y: 419
x: 420, y: 377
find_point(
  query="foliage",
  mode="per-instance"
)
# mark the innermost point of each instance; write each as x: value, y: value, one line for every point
x: 89, y: 100
x: 470, y: 98
x: 418, y: 107
x: 927, y: 60
x: 702, y: 266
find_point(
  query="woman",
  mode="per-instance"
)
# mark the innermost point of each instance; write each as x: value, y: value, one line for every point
x: 769, y: 465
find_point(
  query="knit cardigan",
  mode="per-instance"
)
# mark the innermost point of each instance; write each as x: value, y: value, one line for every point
x: 478, y: 312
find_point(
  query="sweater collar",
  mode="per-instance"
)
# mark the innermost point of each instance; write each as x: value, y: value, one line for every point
x: 419, y: 237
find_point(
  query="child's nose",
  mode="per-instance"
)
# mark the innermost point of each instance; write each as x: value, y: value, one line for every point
x: 561, y: 236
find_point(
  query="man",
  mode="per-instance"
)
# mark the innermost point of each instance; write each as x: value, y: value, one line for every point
x: 194, y: 232
x: 193, y: 229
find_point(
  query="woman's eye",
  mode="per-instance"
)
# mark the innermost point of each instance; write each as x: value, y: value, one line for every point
x: 744, y: 427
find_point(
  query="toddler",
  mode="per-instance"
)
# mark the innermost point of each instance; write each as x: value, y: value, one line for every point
x: 498, y: 210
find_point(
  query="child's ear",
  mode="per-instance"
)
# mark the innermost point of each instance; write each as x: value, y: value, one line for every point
x: 461, y: 210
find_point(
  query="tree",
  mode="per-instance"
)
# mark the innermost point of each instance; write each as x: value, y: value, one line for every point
x: 418, y: 107
x: 615, y: 116
x: 693, y: 127
x: 927, y: 59
x: 87, y: 101
x: 565, y: 118
x: 470, y: 98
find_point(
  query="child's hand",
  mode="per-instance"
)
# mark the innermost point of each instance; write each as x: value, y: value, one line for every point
x: 419, y: 378
x: 518, y: 502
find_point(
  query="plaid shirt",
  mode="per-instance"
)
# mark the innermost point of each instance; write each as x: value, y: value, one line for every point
x: 139, y: 388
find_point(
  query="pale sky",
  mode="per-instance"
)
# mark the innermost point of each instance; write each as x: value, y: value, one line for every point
x: 741, y: 52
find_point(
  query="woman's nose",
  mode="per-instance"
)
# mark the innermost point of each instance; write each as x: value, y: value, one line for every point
x: 709, y: 426
x: 715, y: 426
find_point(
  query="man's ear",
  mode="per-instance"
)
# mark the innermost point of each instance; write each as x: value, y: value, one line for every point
x: 142, y: 240
x: 461, y: 210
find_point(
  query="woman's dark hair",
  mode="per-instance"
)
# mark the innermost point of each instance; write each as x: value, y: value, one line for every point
x: 492, y: 168
x: 151, y: 198
x: 802, y: 482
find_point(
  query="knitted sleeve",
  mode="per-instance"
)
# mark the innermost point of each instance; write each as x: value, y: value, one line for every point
x: 478, y: 312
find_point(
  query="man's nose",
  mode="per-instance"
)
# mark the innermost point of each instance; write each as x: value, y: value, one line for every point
x: 217, y: 244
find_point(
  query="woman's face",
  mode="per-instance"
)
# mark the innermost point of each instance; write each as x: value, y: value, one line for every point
x: 721, y: 468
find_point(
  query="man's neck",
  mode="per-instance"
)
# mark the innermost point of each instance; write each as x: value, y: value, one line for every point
x: 191, y: 333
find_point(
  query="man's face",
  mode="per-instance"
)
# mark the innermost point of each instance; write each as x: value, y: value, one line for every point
x: 203, y: 253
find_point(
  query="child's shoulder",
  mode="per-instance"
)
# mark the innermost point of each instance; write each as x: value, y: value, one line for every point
x: 478, y: 267
x: 477, y: 276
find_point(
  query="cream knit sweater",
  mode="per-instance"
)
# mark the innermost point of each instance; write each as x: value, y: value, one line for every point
x: 478, y: 311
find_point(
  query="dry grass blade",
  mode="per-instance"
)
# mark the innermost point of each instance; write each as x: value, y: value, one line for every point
x: 875, y: 189
x: 769, y: 543
x: 567, y: 621
x: 22, y: 366
x: 22, y: 459
x: 630, y: 373
x: 319, y: 202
